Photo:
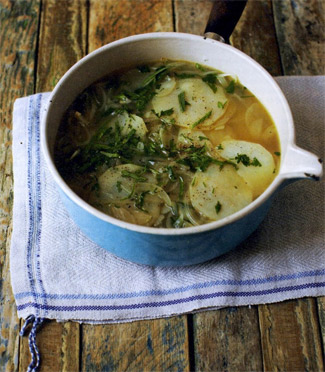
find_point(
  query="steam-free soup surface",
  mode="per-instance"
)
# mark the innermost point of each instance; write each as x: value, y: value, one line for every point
x: 169, y: 144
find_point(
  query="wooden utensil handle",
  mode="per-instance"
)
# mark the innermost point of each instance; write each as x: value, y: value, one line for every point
x: 224, y: 16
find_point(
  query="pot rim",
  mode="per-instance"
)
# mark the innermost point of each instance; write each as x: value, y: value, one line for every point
x: 154, y: 230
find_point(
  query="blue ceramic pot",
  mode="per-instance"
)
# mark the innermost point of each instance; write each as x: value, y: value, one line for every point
x: 154, y: 246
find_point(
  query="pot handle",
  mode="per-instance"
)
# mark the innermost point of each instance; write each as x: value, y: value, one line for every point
x: 299, y: 163
x: 223, y: 18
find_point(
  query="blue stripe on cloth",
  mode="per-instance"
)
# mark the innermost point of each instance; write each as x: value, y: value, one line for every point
x: 34, y: 200
x: 171, y: 302
x: 30, y: 270
x: 103, y: 296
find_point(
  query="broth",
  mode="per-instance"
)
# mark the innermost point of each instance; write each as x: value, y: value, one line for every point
x: 169, y: 144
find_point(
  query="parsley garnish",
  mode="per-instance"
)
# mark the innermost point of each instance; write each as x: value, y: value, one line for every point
x: 201, y: 120
x: 181, y: 100
x: 200, y: 67
x: 211, y: 80
x: 137, y: 176
x: 184, y: 75
x: 231, y: 87
x: 246, y: 161
x: 222, y: 105
x: 218, y: 207
x: 277, y: 153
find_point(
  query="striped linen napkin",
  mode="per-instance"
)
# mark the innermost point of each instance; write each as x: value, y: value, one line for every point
x: 58, y: 273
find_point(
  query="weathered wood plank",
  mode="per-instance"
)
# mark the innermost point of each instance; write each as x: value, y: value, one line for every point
x: 59, y: 347
x: 290, y: 331
x: 301, y: 35
x: 321, y: 318
x: 18, y: 31
x: 255, y: 35
x: 62, y: 42
x: 227, y: 340
x: 112, y: 20
x: 191, y: 16
x: 147, y: 345
x: 156, y: 345
x: 290, y: 336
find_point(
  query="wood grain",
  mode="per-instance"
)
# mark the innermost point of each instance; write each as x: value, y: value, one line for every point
x: 191, y: 16
x: 155, y: 345
x: 18, y: 33
x: 58, y: 345
x: 321, y: 319
x: 255, y: 35
x: 147, y: 345
x: 290, y: 336
x: 112, y: 20
x: 301, y: 36
x: 62, y: 41
x: 228, y: 340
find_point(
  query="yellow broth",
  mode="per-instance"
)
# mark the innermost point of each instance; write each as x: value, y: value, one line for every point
x: 171, y: 144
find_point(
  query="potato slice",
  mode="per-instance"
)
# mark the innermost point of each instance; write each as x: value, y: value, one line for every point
x: 187, y: 137
x: 257, y: 177
x: 128, y: 122
x: 113, y: 186
x: 219, y: 193
x: 166, y: 87
x: 254, y: 120
x: 200, y: 98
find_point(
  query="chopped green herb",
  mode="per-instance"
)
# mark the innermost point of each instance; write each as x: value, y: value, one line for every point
x: 200, y: 67
x: 245, y: 160
x: 231, y: 87
x: 222, y: 105
x: 211, y: 80
x: 204, y: 184
x: 219, y: 147
x: 201, y: 120
x: 166, y: 112
x: 118, y: 186
x: 136, y: 176
x: 218, y: 207
x: 202, y: 138
x: 184, y: 75
x: 277, y: 153
x: 181, y: 100
x: 139, y: 200
x: 255, y: 163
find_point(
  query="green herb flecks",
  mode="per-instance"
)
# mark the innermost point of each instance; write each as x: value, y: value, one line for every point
x: 185, y: 75
x: 218, y: 207
x: 139, y: 200
x: 137, y: 176
x: 200, y: 67
x: 196, y: 158
x: 246, y: 161
x: 211, y: 80
x: 231, y: 87
x: 201, y: 120
x: 181, y: 100
x: 277, y: 153
x: 222, y: 105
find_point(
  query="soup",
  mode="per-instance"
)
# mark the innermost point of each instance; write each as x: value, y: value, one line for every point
x: 170, y: 144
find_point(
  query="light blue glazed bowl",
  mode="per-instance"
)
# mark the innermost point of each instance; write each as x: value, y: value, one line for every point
x: 174, y: 247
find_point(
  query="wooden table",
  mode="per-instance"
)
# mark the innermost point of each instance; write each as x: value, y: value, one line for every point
x: 39, y: 41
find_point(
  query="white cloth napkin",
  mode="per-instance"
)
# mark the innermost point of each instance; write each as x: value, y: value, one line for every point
x: 58, y: 273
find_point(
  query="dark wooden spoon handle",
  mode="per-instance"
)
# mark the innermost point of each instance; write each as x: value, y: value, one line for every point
x: 224, y: 16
